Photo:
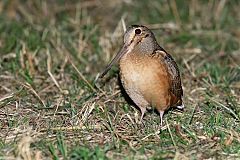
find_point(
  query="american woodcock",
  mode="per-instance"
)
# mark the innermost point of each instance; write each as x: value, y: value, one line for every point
x: 148, y: 73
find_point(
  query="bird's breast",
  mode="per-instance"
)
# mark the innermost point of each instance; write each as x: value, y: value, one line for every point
x: 144, y: 74
x: 134, y: 70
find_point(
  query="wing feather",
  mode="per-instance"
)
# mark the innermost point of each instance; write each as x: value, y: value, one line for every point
x: 176, y: 85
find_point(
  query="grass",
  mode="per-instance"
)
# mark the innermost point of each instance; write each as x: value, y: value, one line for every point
x: 52, y: 106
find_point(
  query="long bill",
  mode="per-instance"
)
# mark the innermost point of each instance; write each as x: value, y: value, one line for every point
x: 114, y: 60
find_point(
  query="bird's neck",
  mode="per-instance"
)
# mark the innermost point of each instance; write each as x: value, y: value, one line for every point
x: 145, y: 47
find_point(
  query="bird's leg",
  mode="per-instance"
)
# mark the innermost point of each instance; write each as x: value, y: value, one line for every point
x: 143, y: 110
x: 161, y: 118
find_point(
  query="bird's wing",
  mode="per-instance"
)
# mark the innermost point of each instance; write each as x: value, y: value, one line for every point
x: 176, y: 86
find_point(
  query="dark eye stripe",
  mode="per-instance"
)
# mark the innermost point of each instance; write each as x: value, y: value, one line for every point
x: 146, y: 35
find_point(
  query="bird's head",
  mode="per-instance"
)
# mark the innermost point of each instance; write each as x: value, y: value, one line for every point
x: 137, y: 40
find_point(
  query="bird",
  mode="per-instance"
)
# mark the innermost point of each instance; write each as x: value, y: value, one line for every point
x: 149, y: 75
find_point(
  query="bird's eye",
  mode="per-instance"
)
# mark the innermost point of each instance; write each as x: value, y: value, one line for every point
x: 138, y: 31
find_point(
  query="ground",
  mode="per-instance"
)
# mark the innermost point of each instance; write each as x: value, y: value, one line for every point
x: 54, y: 106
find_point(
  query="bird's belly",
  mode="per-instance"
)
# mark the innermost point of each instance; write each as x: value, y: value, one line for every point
x: 132, y: 80
x: 145, y: 83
